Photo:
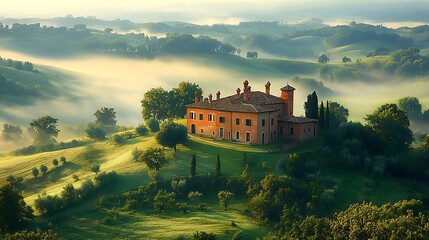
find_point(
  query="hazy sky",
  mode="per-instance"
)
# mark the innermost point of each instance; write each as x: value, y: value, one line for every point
x: 222, y: 10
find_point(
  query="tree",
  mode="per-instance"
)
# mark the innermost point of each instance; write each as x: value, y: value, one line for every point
x: 45, y: 129
x: 154, y: 158
x: 14, y: 213
x: 155, y: 104
x: 63, y: 160
x: 412, y: 106
x: 253, y: 54
x: 193, y: 169
x: 95, y: 131
x: 141, y: 130
x: 338, y: 115
x: 323, y: 59
x: 183, y: 95
x: 393, y: 125
x: 224, y: 198
x: 328, y: 116
x: 322, y: 120
x: 11, y: 132
x: 43, y: 169
x: 153, y: 124
x: 18, y: 65
x: 106, y: 118
x: 163, y: 200
x: 14, y: 181
x: 28, y: 66
x: 218, y: 170
x: 194, y: 196
x: 203, y: 236
x: 95, y: 168
x: 35, y: 171
x: 55, y: 162
x: 171, y: 134
x: 311, y: 106
x: 346, y: 60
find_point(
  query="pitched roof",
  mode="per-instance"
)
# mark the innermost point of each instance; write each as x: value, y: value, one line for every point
x: 287, y: 88
x: 256, y: 102
x: 294, y: 119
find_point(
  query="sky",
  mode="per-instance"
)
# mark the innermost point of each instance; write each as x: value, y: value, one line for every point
x: 226, y: 11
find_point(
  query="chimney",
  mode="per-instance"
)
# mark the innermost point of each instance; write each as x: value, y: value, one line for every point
x: 196, y: 97
x: 210, y: 99
x: 249, y: 89
x: 245, y: 84
x: 218, y: 95
x: 238, y: 92
x: 267, y: 88
x: 245, y: 93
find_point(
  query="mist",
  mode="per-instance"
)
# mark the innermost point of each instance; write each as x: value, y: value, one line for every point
x: 94, y: 82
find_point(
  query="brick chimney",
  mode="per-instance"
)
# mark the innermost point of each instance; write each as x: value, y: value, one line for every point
x: 267, y: 88
x: 210, y: 98
x: 245, y: 84
x: 196, y: 97
x: 218, y: 95
x: 238, y: 91
x: 249, y: 89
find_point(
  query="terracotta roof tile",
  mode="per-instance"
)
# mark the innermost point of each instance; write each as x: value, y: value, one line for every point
x: 256, y: 102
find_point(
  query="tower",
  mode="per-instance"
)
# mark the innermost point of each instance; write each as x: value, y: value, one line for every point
x: 287, y: 97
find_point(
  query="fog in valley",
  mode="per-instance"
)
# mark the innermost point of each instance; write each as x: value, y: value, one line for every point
x: 94, y: 82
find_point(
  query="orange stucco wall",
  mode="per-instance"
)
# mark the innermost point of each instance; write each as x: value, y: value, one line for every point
x: 301, y: 132
x: 213, y: 129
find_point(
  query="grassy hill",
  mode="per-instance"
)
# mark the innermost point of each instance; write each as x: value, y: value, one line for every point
x: 83, y: 221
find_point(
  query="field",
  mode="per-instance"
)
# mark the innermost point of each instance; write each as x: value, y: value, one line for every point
x: 85, y: 222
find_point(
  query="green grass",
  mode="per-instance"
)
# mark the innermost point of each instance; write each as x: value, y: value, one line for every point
x: 83, y: 221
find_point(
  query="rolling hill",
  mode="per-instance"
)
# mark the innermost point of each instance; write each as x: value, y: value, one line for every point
x: 89, y: 221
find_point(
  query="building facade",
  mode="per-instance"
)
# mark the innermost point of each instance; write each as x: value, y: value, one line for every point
x: 250, y: 116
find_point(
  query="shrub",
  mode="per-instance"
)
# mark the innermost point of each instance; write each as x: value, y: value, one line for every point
x: 153, y: 125
x: 141, y: 130
x: 163, y: 200
x: 43, y: 169
x: 55, y: 162
x: 63, y: 160
x: 183, y: 207
x: 118, y: 138
x: 136, y: 154
x: 35, y: 171
x: 203, y: 236
x: 95, y: 168
x: 95, y: 131
x: 14, y: 181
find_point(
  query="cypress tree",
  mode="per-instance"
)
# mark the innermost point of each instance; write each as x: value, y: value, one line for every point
x: 218, y: 166
x: 327, y: 115
x: 193, y: 169
x: 314, y: 106
x: 322, y: 116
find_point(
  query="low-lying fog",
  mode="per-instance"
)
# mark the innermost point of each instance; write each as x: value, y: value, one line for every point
x: 120, y: 83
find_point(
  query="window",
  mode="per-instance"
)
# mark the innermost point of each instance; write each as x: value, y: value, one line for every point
x: 309, y: 130
x: 272, y: 121
x: 281, y: 130
x: 202, y: 130
x: 291, y: 131
x: 304, y: 130
x: 248, y: 122
x: 192, y: 115
x: 247, y: 136
x: 237, y: 135
x: 201, y: 117
x: 263, y: 122
x: 211, y: 117
x: 222, y: 119
x: 237, y: 121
